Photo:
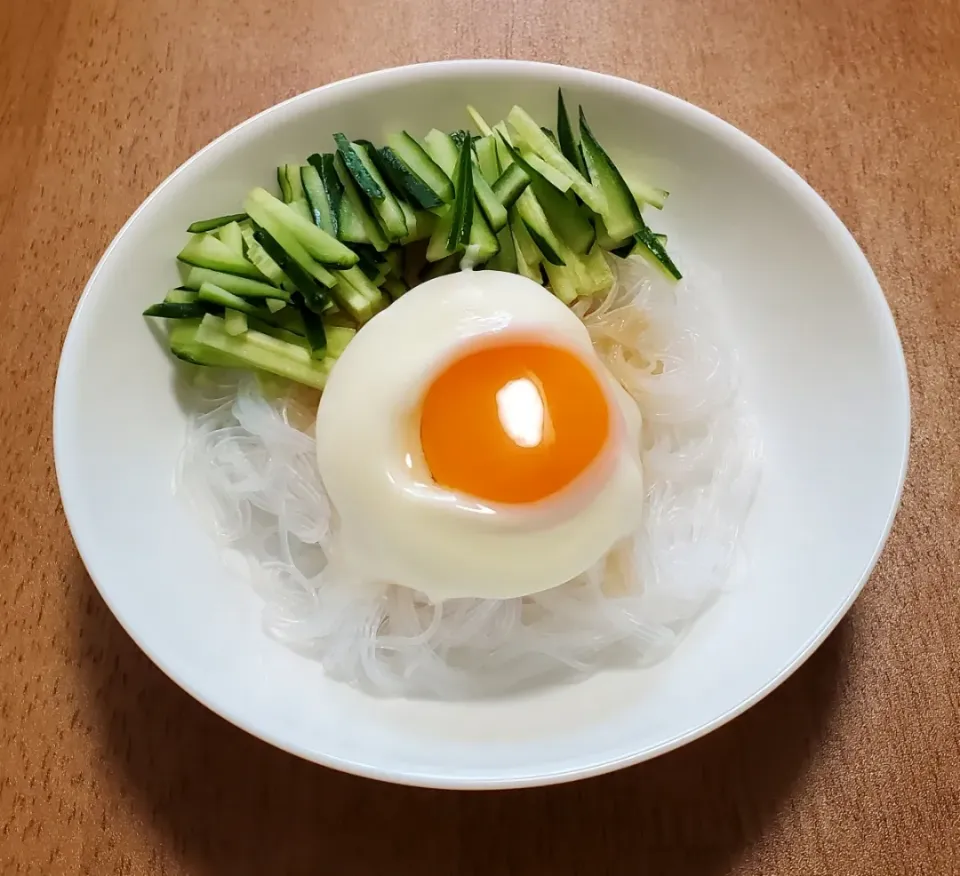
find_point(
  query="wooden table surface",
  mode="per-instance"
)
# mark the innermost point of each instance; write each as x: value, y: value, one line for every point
x: 852, y: 767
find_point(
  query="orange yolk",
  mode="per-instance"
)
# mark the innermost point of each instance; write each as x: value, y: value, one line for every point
x: 513, y: 423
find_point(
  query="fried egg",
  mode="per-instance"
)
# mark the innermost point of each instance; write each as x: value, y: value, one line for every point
x: 473, y: 445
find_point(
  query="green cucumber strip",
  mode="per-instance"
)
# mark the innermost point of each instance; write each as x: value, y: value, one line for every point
x: 301, y: 209
x: 258, y: 350
x: 181, y: 295
x: 502, y: 140
x: 495, y: 212
x: 535, y: 220
x: 284, y: 247
x: 482, y: 126
x: 502, y: 132
x: 438, y: 248
x: 202, y: 225
x: 575, y: 279
x: 351, y: 195
x: 563, y: 282
x: 583, y: 278
x: 364, y: 287
x: 419, y: 162
x: 599, y: 271
x: 510, y: 184
x: 365, y: 249
x: 327, y: 204
x: 506, y: 257
x: 173, y: 310
x: 285, y: 193
x: 523, y: 242
x: 234, y: 322
x: 320, y: 246
x: 566, y: 219
x: 530, y: 271
x: 550, y: 252
x: 526, y: 266
x: 266, y: 265
x: 302, y: 277
x: 297, y: 338
x: 357, y: 295
x: 611, y: 244
x: 358, y: 168
x: 214, y: 294
x: 483, y: 244
x: 644, y: 193
x: 441, y: 148
x: 315, y: 333
x: 394, y: 287
x: 288, y: 320
x: 331, y: 181
x: 463, y: 205
x: 350, y: 226
x: 621, y: 216
x: 241, y: 286
x: 406, y: 181
x: 323, y: 215
x: 649, y: 248
x: 206, y: 251
x: 392, y: 171
x: 394, y: 259
x: 478, y: 120
x: 338, y: 337
x: 486, y: 149
x: 420, y: 223
x: 662, y: 239
x: 530, y: 132
x: 275, y: 306
x: 292, y: 173
x: 231, y: 236
x: 387, y: 209
x: 182, y: 338
x: 550, y: 174
x: 565, y: 137
x: 367, y: 264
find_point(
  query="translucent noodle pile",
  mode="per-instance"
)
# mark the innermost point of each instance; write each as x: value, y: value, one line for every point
x: 249, y: 470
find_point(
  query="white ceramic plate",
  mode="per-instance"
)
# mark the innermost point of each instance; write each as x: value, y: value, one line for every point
x: 821, y: 364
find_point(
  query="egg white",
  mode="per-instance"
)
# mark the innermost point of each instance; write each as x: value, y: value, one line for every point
x: 395, y: 523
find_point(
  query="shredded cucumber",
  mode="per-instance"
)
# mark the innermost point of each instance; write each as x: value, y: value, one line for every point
x: 283, y: 286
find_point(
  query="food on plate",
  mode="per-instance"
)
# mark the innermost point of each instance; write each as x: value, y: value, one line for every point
x: 354, y: 229
x: 475, y: 446
x: 459, y: 421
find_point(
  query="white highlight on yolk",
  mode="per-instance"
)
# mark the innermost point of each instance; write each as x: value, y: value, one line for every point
x: 521, y: 411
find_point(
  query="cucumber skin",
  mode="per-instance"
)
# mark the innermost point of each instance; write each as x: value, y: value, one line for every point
x: 463, y: 205
x: 610, y: 181
x: 368, y: 185
x: 202, y: 225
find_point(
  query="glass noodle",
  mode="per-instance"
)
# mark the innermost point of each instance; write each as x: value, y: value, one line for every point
x: 249, y: 470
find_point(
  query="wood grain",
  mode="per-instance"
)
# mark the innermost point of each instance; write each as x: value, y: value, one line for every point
x: 852, y: 767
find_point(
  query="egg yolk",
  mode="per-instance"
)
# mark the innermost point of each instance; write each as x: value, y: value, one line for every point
x: 513, y: 423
